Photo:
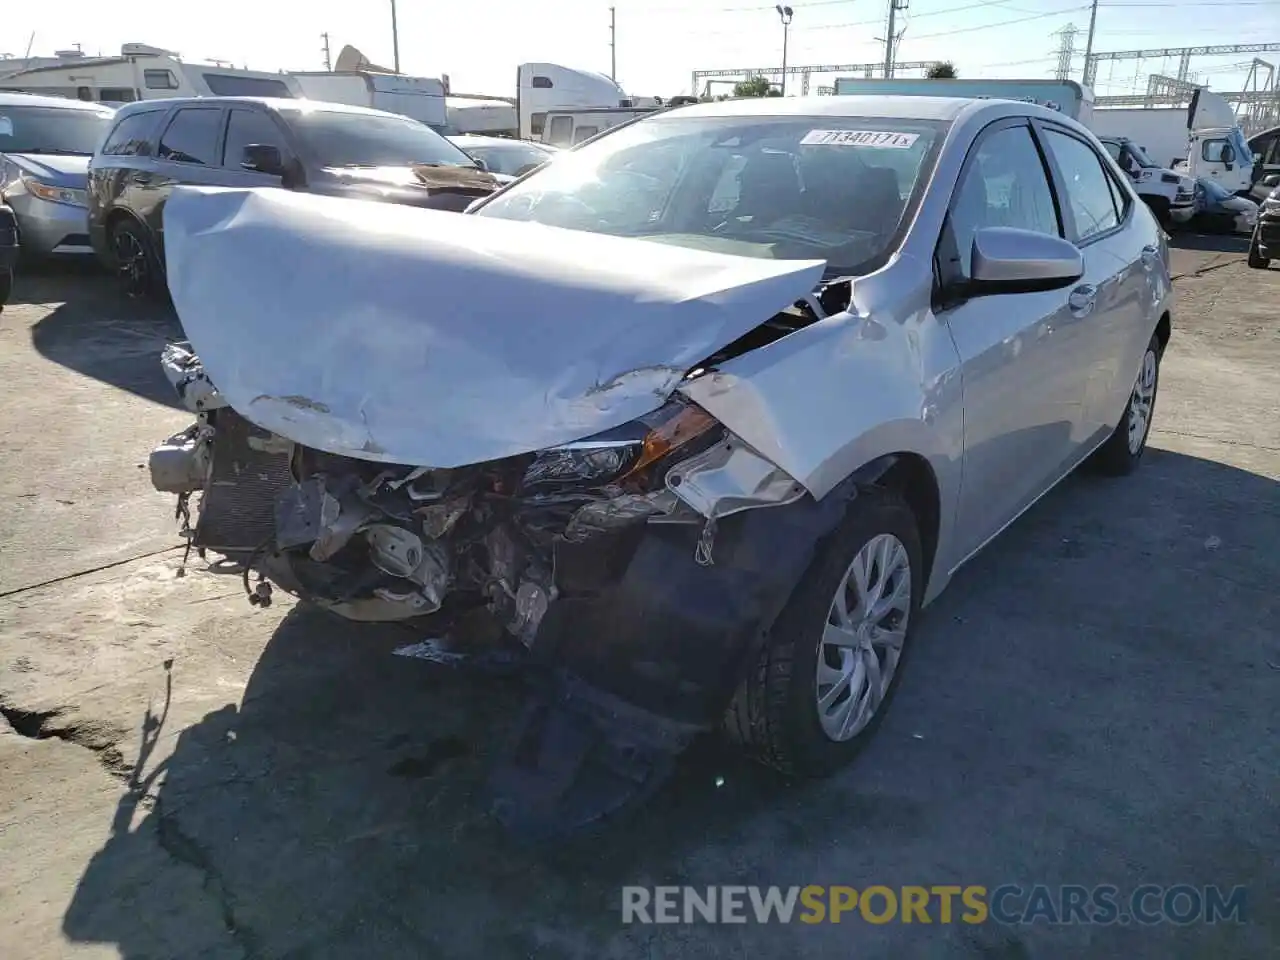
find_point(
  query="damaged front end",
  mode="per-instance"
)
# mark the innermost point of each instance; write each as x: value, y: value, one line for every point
x: 596, y: 561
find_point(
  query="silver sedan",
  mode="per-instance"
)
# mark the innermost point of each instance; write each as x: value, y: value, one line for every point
x: 701, y: 415
x: 45, y: 145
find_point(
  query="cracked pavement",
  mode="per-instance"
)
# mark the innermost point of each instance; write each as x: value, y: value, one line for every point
x: 1092, y: 701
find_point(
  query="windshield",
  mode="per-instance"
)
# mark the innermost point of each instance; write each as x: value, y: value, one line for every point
x: 340, y: 139
x: 52, y: 130
x: 787, y: 188
x: 507, y: 160
x: 1141, y: 157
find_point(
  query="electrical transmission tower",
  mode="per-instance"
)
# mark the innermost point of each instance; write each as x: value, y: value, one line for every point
x: 1066, y: 51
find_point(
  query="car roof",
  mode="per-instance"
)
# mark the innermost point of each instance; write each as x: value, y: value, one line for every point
x: 280, y: 104
x: 889, y: 107
x: 15, y: 99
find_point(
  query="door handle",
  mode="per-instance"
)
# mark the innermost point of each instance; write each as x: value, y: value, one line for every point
x: 1149, y: 256
x: 141, y: 178
x: 1082, y: 299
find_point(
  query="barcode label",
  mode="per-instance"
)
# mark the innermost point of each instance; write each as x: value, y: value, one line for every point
x: 861, y: 138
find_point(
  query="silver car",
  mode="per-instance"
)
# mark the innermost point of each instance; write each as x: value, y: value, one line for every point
x: 45, y: 146
x: 696, y: 419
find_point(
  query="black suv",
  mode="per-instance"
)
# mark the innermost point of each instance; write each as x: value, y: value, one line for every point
x: 1265, y: 244
x: 325, y: 148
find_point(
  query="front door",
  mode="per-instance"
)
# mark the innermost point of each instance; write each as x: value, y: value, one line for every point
x: 1022, y: 396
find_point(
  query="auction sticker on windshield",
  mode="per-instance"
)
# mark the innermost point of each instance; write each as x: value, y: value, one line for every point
x: 861, y: 138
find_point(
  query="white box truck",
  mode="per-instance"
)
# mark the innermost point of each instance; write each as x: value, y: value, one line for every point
x: 1170, y: 195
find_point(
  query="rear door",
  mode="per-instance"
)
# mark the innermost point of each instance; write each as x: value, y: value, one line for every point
x: 188, y: 152
x: 1111, y: 310
x: 1022, y: 395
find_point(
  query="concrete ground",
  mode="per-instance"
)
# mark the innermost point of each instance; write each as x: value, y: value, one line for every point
x: 1093, y: 701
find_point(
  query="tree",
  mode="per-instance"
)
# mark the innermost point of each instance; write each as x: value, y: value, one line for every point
x: 946, y: 70
x: 754, y: 87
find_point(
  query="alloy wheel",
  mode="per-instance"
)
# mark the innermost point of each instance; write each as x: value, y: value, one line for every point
x: 132, y: 265
x: 1141, y: 401
x: 862, y: 639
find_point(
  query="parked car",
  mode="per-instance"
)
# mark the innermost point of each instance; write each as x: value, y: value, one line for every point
x: 697, y: 417
x: 324, y: 148
x: 504, y: 157
x: 8, y: 253
x: 45, y: 145
x: 1264, y: 246
x: 1218, y: 210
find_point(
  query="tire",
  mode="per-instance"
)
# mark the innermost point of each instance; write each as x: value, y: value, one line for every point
x: 1160, y: 207
x: 1256, y: 259
x: 6, y: 286
x: 1123, y: 450
x: 775, y: 713
x: 134, y: 258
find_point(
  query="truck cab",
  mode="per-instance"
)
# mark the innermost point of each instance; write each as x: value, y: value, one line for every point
x: 1170, y: 195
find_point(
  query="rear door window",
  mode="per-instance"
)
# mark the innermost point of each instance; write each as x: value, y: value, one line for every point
x: 192, y: 137
x: 1089, y: 194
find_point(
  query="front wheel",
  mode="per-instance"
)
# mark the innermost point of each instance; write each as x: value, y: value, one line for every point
x: 1123, y: 450
x: 832, y: 661
x: 1256, y: 259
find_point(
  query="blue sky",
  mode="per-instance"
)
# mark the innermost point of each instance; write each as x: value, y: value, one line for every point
x: 658, y: 43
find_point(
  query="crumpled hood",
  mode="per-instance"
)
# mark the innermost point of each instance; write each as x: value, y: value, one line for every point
x: 57, y: 170
x: 477, y: 182
x: 404, y: 335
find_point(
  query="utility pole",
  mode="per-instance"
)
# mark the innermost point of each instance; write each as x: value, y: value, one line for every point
x: 613, y: 43
x: 891, y: 38
x: 396, y: 40
x: 328, y: 64
x: 1088, y: 46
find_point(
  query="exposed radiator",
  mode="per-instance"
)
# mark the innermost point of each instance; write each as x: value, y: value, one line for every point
x: 237, y: 513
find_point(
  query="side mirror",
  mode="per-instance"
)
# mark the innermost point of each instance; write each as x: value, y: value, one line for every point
x: 480, y: 164
x: 262, y: 158
x: 528, y: 168
x: 1228, y: 154
x: 1011, y: 260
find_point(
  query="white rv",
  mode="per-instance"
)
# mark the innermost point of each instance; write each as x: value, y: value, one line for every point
x: 544, y: 87
x: 418, y: 98
x: 142, y: 72
x: 488, y: 116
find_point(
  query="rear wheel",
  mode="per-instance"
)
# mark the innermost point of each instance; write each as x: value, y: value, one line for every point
x: 832, y: 661
x: 1123, y: 450
x: 1256, y: 259
x: 135, y: 260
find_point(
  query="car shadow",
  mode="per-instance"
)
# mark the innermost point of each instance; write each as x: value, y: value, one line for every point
x: 336, y: 810
x: 1216, y: 242
x: 97, y: 331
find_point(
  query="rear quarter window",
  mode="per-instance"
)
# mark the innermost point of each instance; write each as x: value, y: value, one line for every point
x: 131, y: 136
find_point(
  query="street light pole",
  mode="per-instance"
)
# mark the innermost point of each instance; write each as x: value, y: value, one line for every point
x: 784, y: 14
x: 395, y: 39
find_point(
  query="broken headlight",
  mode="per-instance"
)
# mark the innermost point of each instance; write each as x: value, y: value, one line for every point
x: 624, y: 452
